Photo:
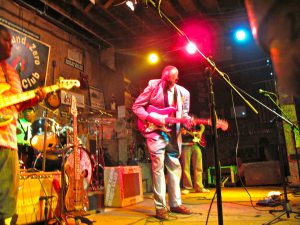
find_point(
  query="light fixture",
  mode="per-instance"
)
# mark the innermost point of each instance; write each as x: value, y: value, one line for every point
x: 131, y: 4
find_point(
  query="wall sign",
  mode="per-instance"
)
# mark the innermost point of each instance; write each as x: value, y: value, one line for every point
x: 30, y: 58
x: 97, y: 98
x: 66, y: 98
x: 74, y: 64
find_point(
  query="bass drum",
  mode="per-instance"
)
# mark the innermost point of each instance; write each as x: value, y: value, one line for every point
x: 38, y: 131
x: 85, y: 162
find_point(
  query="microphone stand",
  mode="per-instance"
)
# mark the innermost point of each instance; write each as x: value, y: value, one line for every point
x: 215, y: 143
x: 290, y: 123
x: 45, y: 141
x: 214, y: 69
x: 284, y: 169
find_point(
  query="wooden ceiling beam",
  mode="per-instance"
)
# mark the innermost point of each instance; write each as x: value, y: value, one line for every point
x: 120, y: 22
x: 74, y: 20
x: 88, y: 7
x: 94, y: 18
x: 108, y: 4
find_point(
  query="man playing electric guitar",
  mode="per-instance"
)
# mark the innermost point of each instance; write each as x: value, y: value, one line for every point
x: 10, y: 85
x: 192, y: 141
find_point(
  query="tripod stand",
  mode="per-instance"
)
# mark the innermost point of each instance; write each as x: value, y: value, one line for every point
x: 99, y: 161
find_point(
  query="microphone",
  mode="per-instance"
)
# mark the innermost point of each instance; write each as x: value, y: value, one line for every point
x: 261, y: 91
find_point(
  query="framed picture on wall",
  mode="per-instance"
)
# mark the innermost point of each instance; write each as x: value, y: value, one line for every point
x: 97, y: 98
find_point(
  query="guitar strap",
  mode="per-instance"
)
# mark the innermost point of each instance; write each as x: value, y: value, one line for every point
x: 166, y: 98
x: 25, y: 132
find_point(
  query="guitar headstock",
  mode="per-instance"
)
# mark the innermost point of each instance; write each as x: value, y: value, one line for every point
x: 68, y: 84
x: 223, y: 124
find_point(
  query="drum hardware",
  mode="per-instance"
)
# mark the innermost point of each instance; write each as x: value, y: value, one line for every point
x: 43, y: 126
x: 99, y: 161
x: 96, y: 117
x: 45, y: 143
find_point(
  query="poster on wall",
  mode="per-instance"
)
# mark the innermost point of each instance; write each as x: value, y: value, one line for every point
x: 97, y: 98
x: 29, y: 56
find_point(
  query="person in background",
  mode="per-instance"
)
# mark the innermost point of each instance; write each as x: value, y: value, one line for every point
x: 24, y: 135
x: 192, y: 142
x: 9, y: 161
x: 165, y: 147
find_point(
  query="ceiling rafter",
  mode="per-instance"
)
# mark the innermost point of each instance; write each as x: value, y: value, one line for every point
x: 76, y: 21
x: 95, y: 20
x: 107, y: 4
x: 178, y: 7
x: 120, y: 22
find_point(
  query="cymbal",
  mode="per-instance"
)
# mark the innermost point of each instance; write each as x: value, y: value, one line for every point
x: 98, y: 113
x: 89, y: 114
x: 94, y: 121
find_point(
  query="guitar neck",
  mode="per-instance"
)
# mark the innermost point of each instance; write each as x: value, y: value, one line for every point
x: 22, y: 97
x: 76, y: 150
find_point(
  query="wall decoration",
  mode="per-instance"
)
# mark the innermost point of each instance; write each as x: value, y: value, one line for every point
x: 66, y: 98
x: 97, y: 98
x: 30, y: 58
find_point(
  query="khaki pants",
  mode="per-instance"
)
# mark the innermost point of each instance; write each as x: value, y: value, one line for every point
x: 9, y: 182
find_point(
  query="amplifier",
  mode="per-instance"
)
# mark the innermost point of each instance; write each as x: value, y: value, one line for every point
x: 122, y: 186
x: 36, y: 190
x: 228, y: 174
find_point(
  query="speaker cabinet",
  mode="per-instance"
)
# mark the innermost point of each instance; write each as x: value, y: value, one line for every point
x: 34, y: 190
x: 122, y: 186
x: 262, y: 173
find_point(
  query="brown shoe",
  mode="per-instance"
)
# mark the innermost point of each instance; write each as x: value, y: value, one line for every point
x: 203, y: 190
x: 180, y: 209
x: 162, y: 214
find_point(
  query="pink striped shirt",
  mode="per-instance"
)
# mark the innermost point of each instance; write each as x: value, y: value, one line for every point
x: 8, y: 137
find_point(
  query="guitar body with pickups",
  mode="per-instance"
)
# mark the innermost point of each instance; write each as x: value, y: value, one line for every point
x: 147, y: 127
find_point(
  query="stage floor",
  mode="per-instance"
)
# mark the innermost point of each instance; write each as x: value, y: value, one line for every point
x: 236, y: 206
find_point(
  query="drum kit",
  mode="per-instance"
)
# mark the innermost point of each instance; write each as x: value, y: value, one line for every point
x: 54, y: 144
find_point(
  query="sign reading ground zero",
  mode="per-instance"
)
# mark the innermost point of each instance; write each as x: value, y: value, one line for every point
x: 30, y: 59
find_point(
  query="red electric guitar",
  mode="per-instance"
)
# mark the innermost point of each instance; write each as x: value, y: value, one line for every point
x: 146, y: 127
x: 76, y: 200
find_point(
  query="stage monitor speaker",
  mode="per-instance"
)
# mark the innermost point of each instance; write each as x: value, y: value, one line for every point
x: 34, y: 189
x: 262, y: 173
x: 122, y: 186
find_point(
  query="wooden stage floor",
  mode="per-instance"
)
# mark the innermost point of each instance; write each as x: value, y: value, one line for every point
x: 236, y: 204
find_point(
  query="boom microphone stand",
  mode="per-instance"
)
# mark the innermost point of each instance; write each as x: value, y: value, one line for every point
x: 282, y: 156
x: 215, y: 142
x: 284, y: 167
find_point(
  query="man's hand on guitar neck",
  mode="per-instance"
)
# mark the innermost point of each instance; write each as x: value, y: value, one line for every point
x: 190, y: 122
x: 40, y: 94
